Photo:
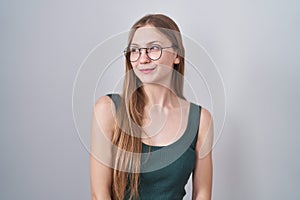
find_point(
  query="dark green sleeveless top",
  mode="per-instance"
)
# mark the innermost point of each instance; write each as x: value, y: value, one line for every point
x: 165, y: 170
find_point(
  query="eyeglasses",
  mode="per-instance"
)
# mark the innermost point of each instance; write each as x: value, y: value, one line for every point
x: 153, y: 52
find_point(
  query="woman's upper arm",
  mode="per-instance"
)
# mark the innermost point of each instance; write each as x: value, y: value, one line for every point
x: 202, y: 175
x: 100, y: 149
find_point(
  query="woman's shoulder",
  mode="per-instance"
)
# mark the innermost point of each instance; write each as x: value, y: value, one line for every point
x: 205, y: 132
x: 205, y: 124
x: 205, y: 117
x: 104, y: 112
x: 106, y: 101
x: 204, y: 112
x: 107, y: 104
x: 103, y: 103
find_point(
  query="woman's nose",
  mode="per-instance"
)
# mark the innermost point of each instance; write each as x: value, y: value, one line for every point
x: 144, y: 57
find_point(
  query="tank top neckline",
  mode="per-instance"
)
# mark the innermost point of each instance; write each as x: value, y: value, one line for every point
x: 180, y: 138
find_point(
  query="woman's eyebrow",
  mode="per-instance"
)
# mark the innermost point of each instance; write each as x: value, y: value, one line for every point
x: 152, y: 42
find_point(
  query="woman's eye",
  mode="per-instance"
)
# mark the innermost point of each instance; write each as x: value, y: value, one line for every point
x: 154, y: 48
x: 134, y: 50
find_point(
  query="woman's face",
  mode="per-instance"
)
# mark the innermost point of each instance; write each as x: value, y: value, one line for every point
x: 153, y: 71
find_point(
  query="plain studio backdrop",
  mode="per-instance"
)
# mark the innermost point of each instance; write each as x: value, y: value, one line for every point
x: 255, y: 45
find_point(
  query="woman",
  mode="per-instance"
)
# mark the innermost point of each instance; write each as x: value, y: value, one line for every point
x: 156, y: 137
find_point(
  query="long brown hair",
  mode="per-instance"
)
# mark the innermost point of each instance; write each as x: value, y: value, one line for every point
x: 131, y: 110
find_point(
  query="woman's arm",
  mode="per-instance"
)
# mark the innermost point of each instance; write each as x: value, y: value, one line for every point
x: 202, y: 176
x: 100, y: 149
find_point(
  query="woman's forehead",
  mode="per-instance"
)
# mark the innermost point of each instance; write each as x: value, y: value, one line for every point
x: 149, y: 34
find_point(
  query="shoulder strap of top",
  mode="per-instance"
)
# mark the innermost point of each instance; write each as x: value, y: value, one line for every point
x: 196, y: 114
x: 115, y: 98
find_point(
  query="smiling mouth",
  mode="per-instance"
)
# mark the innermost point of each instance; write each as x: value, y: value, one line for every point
x: 147, y: 71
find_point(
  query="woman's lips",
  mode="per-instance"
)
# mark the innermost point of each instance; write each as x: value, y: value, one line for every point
x: 147, y: 70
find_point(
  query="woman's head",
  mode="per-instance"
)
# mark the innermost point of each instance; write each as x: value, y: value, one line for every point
x: 161, y: 34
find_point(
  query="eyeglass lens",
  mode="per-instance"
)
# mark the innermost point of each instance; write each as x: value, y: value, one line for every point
x: 153, y: 52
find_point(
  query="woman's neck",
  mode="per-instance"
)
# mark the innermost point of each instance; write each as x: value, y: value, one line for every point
x: 160, y: 95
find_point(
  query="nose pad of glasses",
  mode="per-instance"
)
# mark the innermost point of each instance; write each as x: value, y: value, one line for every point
x: 144, y: 55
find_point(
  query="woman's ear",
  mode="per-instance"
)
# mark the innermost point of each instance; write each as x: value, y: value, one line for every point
x: 176, y: 61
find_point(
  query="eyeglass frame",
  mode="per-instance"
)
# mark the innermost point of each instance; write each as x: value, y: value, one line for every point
x: 147, y: 49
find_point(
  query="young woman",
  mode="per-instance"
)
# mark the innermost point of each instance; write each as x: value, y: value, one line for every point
x: 153, y: 137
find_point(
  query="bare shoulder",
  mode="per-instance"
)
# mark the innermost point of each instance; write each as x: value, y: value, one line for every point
x: 205, y: 131
x: 205, y: 119
x: 104, y: 112
x: 104, y: 103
